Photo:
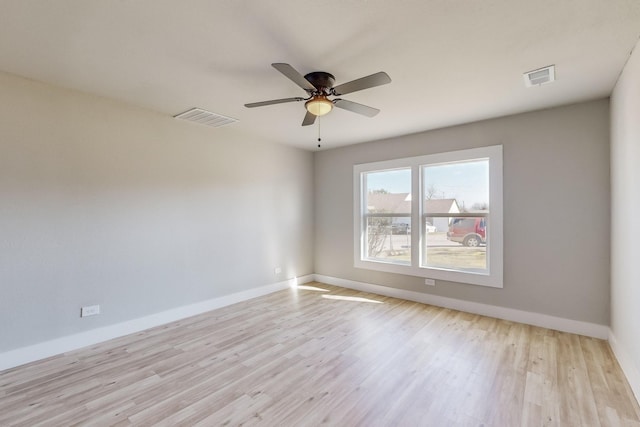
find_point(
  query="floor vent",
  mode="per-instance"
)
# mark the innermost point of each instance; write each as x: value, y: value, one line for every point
x: 540, y: 76
x: 204, y: 117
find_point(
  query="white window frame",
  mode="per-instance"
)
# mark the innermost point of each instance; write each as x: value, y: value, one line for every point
x: 494, y: 275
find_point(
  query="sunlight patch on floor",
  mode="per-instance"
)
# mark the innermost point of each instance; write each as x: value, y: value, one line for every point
x: 356, y: 299
x: 311, y: 288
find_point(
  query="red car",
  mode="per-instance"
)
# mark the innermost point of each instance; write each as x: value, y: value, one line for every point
x: 468, y: 231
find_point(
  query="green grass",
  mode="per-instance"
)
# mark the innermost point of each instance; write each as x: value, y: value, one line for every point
x: 450, y: 257
x: 457, y: 257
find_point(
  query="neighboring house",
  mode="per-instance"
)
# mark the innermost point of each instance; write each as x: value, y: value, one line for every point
x: 442, y: 206
x: 389, y: 202
x: 400, y: 203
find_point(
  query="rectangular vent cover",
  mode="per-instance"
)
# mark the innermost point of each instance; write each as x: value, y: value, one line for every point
x: 540, y: 76
x: 204, y: 117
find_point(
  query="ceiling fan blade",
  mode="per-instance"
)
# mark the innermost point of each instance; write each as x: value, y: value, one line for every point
x: 309, y: 119
x: 293, y: 75
x: 355, y: 107
x: 273, y: 101
x: 377, y: 79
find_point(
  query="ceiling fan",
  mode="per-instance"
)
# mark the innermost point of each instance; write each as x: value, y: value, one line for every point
x: 319, y: 86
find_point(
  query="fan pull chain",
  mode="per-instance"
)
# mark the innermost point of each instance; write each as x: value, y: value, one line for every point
x: 319, y: 139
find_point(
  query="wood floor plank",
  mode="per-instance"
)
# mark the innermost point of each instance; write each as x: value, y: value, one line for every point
x: 323, y: 355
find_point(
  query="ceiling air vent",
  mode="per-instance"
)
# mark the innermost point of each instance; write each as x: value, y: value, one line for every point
x: 204, y: 117
x: 540, y: 76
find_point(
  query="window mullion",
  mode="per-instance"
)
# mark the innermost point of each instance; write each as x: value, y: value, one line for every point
x: 416, y: 226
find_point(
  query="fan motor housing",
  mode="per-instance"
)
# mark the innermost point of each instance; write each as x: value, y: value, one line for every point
x: 321, y: 79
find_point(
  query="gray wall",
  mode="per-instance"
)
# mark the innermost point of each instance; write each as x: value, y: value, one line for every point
x: 625, y: 221
x: 556, y: 209
x: 104, y: 203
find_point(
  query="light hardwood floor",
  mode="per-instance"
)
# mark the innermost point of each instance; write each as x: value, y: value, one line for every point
x: 322, y: 355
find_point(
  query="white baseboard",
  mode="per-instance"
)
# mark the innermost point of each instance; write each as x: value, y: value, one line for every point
x: 630, y: 369
x: 520, y: 316
x: 39, y: 351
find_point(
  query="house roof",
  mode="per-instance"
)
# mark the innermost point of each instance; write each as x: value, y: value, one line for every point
x: 441, y: 206
x: 388, y: 203
x: 449, y: 62
x: 401, y: 203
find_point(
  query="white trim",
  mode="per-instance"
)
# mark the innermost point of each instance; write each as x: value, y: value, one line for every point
x: 23, y: 355
x: 520, y: 316
x: 626, y: 363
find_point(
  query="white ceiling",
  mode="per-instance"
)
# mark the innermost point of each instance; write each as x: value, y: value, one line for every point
x: 450, y: 61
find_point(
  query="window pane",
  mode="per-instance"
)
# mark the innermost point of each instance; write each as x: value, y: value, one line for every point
x: 461, y: 247
x: 456, y: 187
x: 388, y: 191
x: 388, y: 237
x: 449, y: 242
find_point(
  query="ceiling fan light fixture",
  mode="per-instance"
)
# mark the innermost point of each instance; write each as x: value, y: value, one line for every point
x: 319, y: 105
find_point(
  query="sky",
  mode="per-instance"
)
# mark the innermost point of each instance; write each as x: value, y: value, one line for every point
x: 467, y: 182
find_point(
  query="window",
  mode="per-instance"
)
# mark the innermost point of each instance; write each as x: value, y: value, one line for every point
x: 448, y: 206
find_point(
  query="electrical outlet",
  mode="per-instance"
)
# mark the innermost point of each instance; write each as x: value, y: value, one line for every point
x: 277, y: 270
x: 90, y: 310
x: 429, y: 282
